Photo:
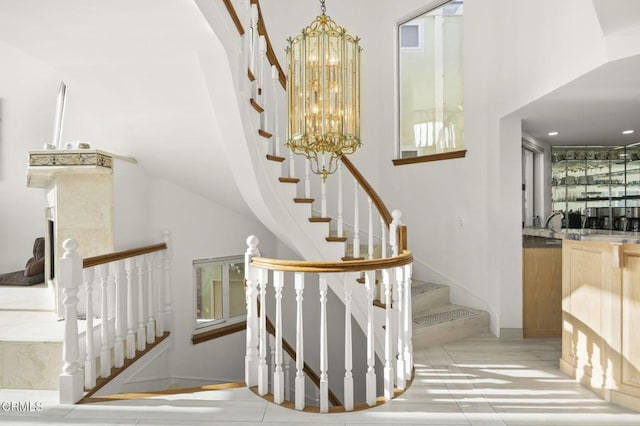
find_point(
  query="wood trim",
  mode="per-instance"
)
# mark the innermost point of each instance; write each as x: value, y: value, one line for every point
x: 102, y: 381
x: 256, y: 105
x: 250, y: 75
x: 348, y: 258
x: 273, y: 59
x: 377, y: 201
x: 402, y: 237
x: 319, y: 219
x: 218, y: 332
x: 264, y: 134
x: 336, y: 239
x: 172, y: 391
x: 432, y: 157
x: 379, y: 304
x: 313, y: 376
x: 234, y: 16
x: 345, y: 266
x: 303, y: 200
x: 119, y: 255
x: 275, y: 158
x: 288, y: 180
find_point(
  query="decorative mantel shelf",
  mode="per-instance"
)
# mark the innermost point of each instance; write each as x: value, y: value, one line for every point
x: 44, y: 165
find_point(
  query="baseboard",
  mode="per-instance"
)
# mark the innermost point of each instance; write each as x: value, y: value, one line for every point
x: 510, y: 333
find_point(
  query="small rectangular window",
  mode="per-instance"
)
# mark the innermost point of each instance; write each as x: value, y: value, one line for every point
x: 219, y: 292
x: 411, y: 37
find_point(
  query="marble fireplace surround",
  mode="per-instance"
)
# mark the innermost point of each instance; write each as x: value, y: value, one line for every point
x: 79, y: 204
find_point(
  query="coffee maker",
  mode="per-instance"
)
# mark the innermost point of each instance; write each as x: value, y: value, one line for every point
x: 619, y: 218
x: 604, y: 218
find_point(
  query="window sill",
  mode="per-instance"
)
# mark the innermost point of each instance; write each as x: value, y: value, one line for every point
x: 205, y: 336
x: 431, y: 157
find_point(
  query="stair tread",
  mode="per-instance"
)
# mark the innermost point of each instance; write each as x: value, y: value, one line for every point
x: 336, y: 239
x: 317, y: 219
x: 303, y: 200
x: 264, y: 134
x: 446, y: 313
x: 424, y: 287
x: 275, y: 158
x: 288, y: 180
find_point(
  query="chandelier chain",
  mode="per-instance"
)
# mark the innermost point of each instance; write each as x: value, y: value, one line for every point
x: 323, y: 8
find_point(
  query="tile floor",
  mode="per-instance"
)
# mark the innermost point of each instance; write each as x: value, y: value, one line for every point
x: 476, y: 381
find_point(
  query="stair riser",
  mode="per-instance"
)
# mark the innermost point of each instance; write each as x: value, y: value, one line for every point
x: 424, y: 302
x: 449, y: 331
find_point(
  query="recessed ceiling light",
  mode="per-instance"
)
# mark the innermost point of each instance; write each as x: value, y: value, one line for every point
x: 553, y: 133
x: 628, y: 132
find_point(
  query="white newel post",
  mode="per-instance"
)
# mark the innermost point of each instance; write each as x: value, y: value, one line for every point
x: 299, y: 382
x: 69, y: 280
x: 166, y: 281
x: 393, y: 232
x: 348, y: 347
x: 324, y: 377
x: 278, y: 374
x: 131, y: 319
x: 370, y: 277
x: 251, y: 355
x: 263, y: 368
x: 388, y: 356
x: 89, y: 364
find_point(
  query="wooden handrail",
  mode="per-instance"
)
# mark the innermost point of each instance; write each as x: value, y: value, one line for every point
x: 313, y: 376
x: 271, y: 55
x: 234, y: 16
x: 331, y: 267
x: 119, y: 255
x: 377, y: 201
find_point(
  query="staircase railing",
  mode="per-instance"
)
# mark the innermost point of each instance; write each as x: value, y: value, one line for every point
x: 398, y: 364
x: 126, y: 297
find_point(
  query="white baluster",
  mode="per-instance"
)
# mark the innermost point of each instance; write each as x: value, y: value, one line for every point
x: 151, y: 322
x: 118, y: 348
x: 340, y: 202
x: 90, y: 363
x: 323, y: 186
x: 388, y: 366
x: 131, y: 317
x: 324, y: 377
x: 307, y: 179
x: 263, y: 370
x: 275, y: 80
x: 262, y: 87
x: 356, y: 224
x: 272, y: 361
x: 105, y: 353
x: 166, y: 281
x: 393, y: 232
x: 348, y: 347
x: 253, y: 50
x: 383, y: 231
x: 157, y: 277
x: 399, y: 305
x: 408, y: 315
x: 299, y: 382
x: 252, y: 335
x: 278, y: 374
x: 370, y: 241
x: 371, y: 356
x: 292, y: 165
x: 69, y: 280
x: 142, y: 340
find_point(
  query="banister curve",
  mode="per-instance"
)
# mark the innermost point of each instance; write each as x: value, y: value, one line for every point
x: 377, y: 201
x: 332, y: 267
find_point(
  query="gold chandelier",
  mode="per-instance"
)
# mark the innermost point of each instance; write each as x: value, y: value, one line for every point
x: 323, y: 94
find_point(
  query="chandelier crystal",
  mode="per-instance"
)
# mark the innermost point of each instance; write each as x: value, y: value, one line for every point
x: 323, y: 90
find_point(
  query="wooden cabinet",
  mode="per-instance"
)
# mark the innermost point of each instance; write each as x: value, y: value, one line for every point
x: 600, y: 315
x: 541, y: 287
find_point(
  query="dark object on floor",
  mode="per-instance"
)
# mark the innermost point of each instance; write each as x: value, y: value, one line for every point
x: 33, y: 272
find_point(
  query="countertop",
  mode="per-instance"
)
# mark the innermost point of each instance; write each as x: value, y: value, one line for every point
x: 601, y: 235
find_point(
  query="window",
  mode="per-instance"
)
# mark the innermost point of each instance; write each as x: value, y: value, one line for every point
x: 431, y: 113
x: 219, y: 292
